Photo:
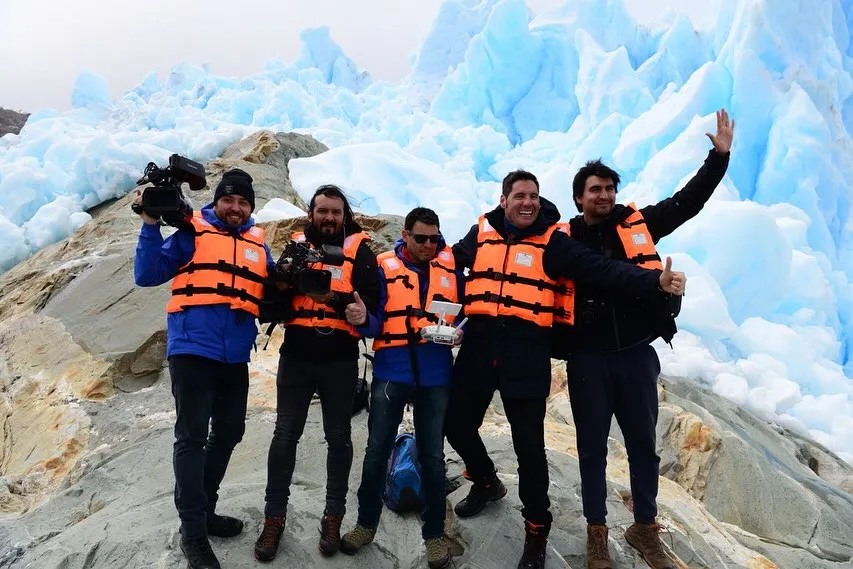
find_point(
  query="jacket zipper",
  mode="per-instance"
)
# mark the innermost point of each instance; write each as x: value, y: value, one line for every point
x: 607, y: 254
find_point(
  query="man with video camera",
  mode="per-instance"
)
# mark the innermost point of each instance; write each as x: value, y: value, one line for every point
x: 319, y: 354
x: 408, y: 368
x: 220, y: 266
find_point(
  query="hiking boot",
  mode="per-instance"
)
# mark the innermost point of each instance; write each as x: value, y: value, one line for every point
x: 644, y: 538
x: 535, y: 543
x: 438, y: 554
x: 356, y: 538
x: 478, y: 496
x: 330, y: 534
x: 597, y: 555
x: 199, y: 553
x: 223, y: 526
x: 267, y: 544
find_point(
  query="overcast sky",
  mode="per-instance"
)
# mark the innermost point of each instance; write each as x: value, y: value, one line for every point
x: 46, y: 43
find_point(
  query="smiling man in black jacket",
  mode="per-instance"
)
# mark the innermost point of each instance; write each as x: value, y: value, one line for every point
x: 514, y: 255
x: 606, y: 335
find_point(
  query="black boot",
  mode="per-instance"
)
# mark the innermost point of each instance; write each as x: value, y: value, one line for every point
x: 223, y: 526
x: 535, y: 544
x: 199, y: 553
x: 491, y: 490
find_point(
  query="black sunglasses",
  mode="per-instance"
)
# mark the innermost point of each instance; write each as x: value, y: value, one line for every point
x: 421, y: 239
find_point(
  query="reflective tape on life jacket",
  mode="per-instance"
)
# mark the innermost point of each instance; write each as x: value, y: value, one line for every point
x: 404, y: 316
x: 226, y: 268
x: 309, y: 313
x: 639, y: 250
x: 508, y: 279
x: 637, y: 241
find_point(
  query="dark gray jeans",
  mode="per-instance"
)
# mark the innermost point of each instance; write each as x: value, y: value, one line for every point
x: 296, y: 383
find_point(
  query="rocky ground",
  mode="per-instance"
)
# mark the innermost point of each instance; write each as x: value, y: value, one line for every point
x: 86, y: 418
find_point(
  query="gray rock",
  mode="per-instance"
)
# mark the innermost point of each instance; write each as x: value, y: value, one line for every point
x: 758, y: 482
x: 11, y: 122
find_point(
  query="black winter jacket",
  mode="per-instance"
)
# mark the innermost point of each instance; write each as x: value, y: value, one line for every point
x: 512, y: 354
x: 325, y: 344
x: 606, y: 321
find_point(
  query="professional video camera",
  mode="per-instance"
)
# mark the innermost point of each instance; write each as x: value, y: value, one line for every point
x: 165, y: 200
x: 293, y: 270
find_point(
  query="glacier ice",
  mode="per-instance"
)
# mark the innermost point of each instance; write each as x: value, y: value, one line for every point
x: 768, y: 316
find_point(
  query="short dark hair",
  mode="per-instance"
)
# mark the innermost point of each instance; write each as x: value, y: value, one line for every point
x: 517, y: 176
x: 422, y: 214
x: 592, y: 168
x: 332, y: 191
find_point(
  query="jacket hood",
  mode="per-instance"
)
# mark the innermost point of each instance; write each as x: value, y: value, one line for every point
x: 548, y: 216
x: 210, y: 217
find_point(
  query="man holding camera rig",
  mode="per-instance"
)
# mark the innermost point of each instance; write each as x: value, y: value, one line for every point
x: 319, y: 354
x: 605, y: 338
x: 408, y: 368
x: 515, y: 254
x: 220, y: 265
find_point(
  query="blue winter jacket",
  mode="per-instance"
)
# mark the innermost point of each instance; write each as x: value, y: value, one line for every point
x: 213, y: 331
x: 435, y: 361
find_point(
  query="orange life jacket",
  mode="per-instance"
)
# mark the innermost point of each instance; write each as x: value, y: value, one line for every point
x: 404, y: 315
x: 509, y: 279
x: 639, y: 250
x: 226, y: 268
x: 312, y: 314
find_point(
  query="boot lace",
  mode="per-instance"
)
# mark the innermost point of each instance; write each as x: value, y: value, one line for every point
x: 272, y: 532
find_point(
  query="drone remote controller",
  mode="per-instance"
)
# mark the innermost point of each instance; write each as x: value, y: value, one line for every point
x: 442, y: 333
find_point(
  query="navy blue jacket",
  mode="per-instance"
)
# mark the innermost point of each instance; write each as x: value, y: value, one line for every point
x: 214, y: 331
x: 435, y: 361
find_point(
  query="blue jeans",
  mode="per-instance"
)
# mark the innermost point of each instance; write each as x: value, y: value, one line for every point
x: 387, y: 400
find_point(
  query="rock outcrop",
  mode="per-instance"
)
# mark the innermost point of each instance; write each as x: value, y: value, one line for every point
x: 11, y: 122
x: 86, y: 415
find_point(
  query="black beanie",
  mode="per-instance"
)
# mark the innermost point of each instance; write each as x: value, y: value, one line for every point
x: 237, y: 182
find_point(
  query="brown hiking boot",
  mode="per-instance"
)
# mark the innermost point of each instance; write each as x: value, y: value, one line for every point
x: 267, y: 544
x: 597, y: 555
x: 330, y: 534
x: 644, y: 538
x: 356, y: 538
x: 438, y: 554
x: 535, y: 545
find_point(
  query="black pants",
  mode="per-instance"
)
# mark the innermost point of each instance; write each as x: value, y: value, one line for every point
x: 526, y: 417
x: 296, y: 382
x: 624, y: 384
x: 205, y: 391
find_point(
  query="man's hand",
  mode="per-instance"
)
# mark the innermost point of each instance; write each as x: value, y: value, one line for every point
x: 672, y: 282
x: 356, y: 312
x: 145, y: 217
x: 722, y: 141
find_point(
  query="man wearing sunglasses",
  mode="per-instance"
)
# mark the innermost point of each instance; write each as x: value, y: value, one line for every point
x: 319, y: 354
x: 514, y: 255
x: 407, y: 368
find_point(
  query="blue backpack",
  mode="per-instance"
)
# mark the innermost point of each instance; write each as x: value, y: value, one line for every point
x: 403, y: 485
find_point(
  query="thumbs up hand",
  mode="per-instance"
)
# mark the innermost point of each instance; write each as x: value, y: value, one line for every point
x: 672, y: 281
x: 356, y: 311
